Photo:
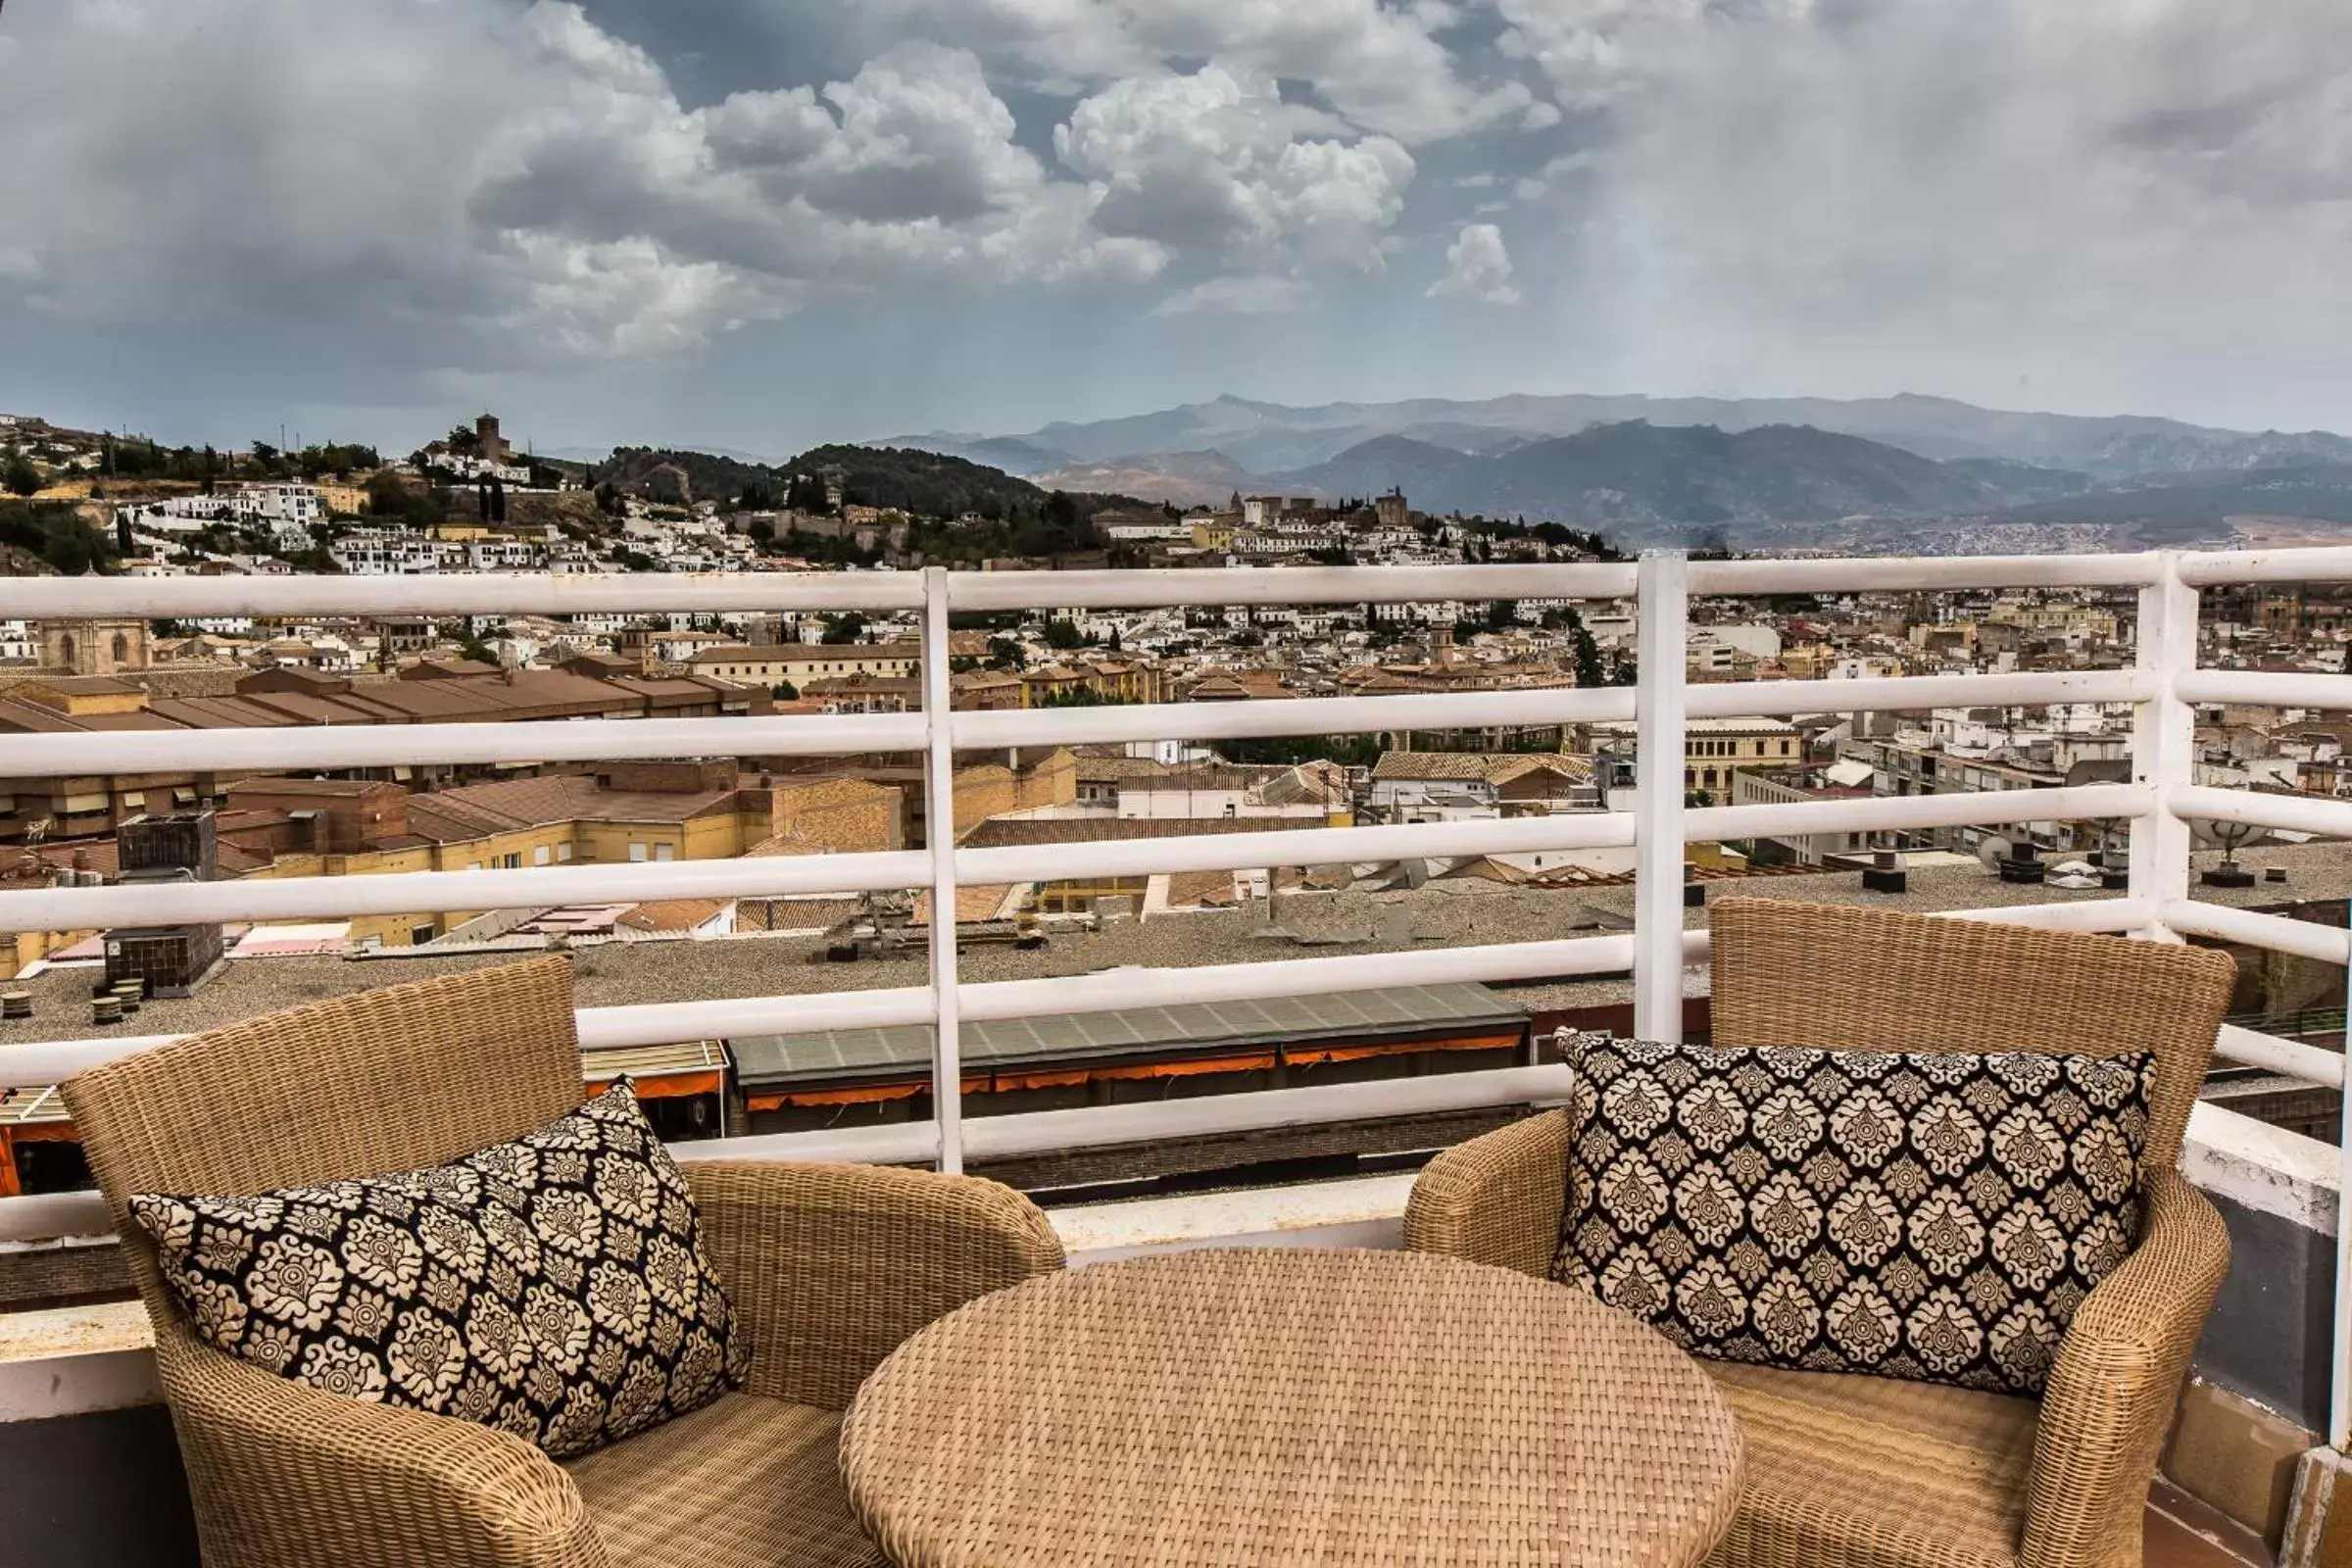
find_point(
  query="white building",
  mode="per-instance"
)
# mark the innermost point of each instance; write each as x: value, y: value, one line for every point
x: 504, y: 555
x: 394, y: 553
x: 1135, y: 533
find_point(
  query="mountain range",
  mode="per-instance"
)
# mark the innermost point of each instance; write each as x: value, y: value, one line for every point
x: 1679, y: 467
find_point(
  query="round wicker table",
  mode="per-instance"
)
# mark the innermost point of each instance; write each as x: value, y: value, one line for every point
x: 1290, y: 1407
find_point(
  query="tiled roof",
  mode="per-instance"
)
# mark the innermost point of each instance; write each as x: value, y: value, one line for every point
x: 1004, y: 830
x: 1466, y: 766
x: 824, y: 794
x: 673, y: 915
x: 475, y: 810
x: 1508, y: 768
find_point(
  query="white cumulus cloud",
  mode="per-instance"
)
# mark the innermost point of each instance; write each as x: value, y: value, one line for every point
x: 1217, y: 158
x: 1380, y: 66
x: 494, y: 182
x: 1478, y: 269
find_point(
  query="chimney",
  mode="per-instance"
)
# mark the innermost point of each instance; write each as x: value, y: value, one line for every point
x: 166, y: 960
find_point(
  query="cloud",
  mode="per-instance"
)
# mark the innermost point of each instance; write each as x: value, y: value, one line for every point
x: 1478, y: 269
x: 1597, y: 52
x: 1216, y: 158
x: 495, y: 183
x: 1382, y: 67
x: 1255, y: 295
x: 492, y: 183
x: 2125, y: 199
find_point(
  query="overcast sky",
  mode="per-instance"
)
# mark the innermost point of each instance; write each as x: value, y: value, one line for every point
x: 761, y: 223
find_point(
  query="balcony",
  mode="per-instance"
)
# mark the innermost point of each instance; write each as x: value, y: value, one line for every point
x: 954, y: 1045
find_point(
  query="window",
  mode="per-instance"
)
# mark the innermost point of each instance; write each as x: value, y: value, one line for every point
x: 512, y: 860
x: 663, y: 852
x: 636, y: 852
x: 539, y: 855
x: 563, y: 852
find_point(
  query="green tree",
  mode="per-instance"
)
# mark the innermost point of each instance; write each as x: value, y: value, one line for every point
x: 785, y: 691
x: 1064, y: 523
x: 805, y: 493
x: 1004, y: 654
x: 1063, y: 635
x: 392, y: 500
x: 53, y: 531
x: 19, y: 475
x: 846, y: 628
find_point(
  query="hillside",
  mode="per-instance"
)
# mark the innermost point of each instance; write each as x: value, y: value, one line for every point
x: 1176, y: 478
x: 1274, y: 438
x: 1663, y: 480
x: 2201, y: 507
x: 712, y: 475
x: 923, y: 484
x: 1010, y: 453
x: 1436, y: 478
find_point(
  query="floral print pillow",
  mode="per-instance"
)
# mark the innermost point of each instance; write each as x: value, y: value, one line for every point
x: 554, y: 1287
x: 1938, y: 1217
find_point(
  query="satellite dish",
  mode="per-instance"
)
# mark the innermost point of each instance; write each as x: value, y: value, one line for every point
x: 2228, y: 838
x: 1993, y: 850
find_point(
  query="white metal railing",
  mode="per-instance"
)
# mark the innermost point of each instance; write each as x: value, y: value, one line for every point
x: 2159, y: 803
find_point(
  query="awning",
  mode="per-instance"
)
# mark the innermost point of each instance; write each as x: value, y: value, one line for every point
x: 660, y: 1072
x: 1229, y: 1032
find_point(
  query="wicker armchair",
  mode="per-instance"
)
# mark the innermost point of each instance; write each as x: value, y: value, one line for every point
x: 1861, y: 1472
x: 829, y: 1266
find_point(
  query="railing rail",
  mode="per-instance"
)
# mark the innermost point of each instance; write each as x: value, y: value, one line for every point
x: 2160, y: 803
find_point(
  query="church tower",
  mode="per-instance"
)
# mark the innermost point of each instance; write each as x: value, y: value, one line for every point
x: 99, y: 647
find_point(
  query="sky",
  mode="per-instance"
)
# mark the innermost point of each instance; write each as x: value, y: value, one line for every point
x: 760, y: 225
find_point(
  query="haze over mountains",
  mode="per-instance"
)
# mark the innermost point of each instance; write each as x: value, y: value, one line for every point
x: 1662, y: 468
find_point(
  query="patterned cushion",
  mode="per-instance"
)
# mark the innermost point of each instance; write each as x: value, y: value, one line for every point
x: 554, y: 1287
x: 1929, y: 1216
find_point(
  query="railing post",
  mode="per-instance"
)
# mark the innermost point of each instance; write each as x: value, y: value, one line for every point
x: 939, y: 832
x: 2163, y: 739
x: 1660, y: 749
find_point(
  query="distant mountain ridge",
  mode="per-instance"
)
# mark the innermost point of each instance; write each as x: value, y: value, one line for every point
x: 1271, y: 439
x: 1652, y: 481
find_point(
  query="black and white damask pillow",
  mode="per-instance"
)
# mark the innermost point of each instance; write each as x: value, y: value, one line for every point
x: 554, y: 1287
x: 1938, y: 1217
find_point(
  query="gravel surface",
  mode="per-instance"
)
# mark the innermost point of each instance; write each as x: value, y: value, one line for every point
x: 1452, y: 914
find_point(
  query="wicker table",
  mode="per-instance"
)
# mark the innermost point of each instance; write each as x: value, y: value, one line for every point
x: 1290, y: 1407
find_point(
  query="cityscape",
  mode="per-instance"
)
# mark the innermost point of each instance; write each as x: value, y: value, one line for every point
x: 970, y: 782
